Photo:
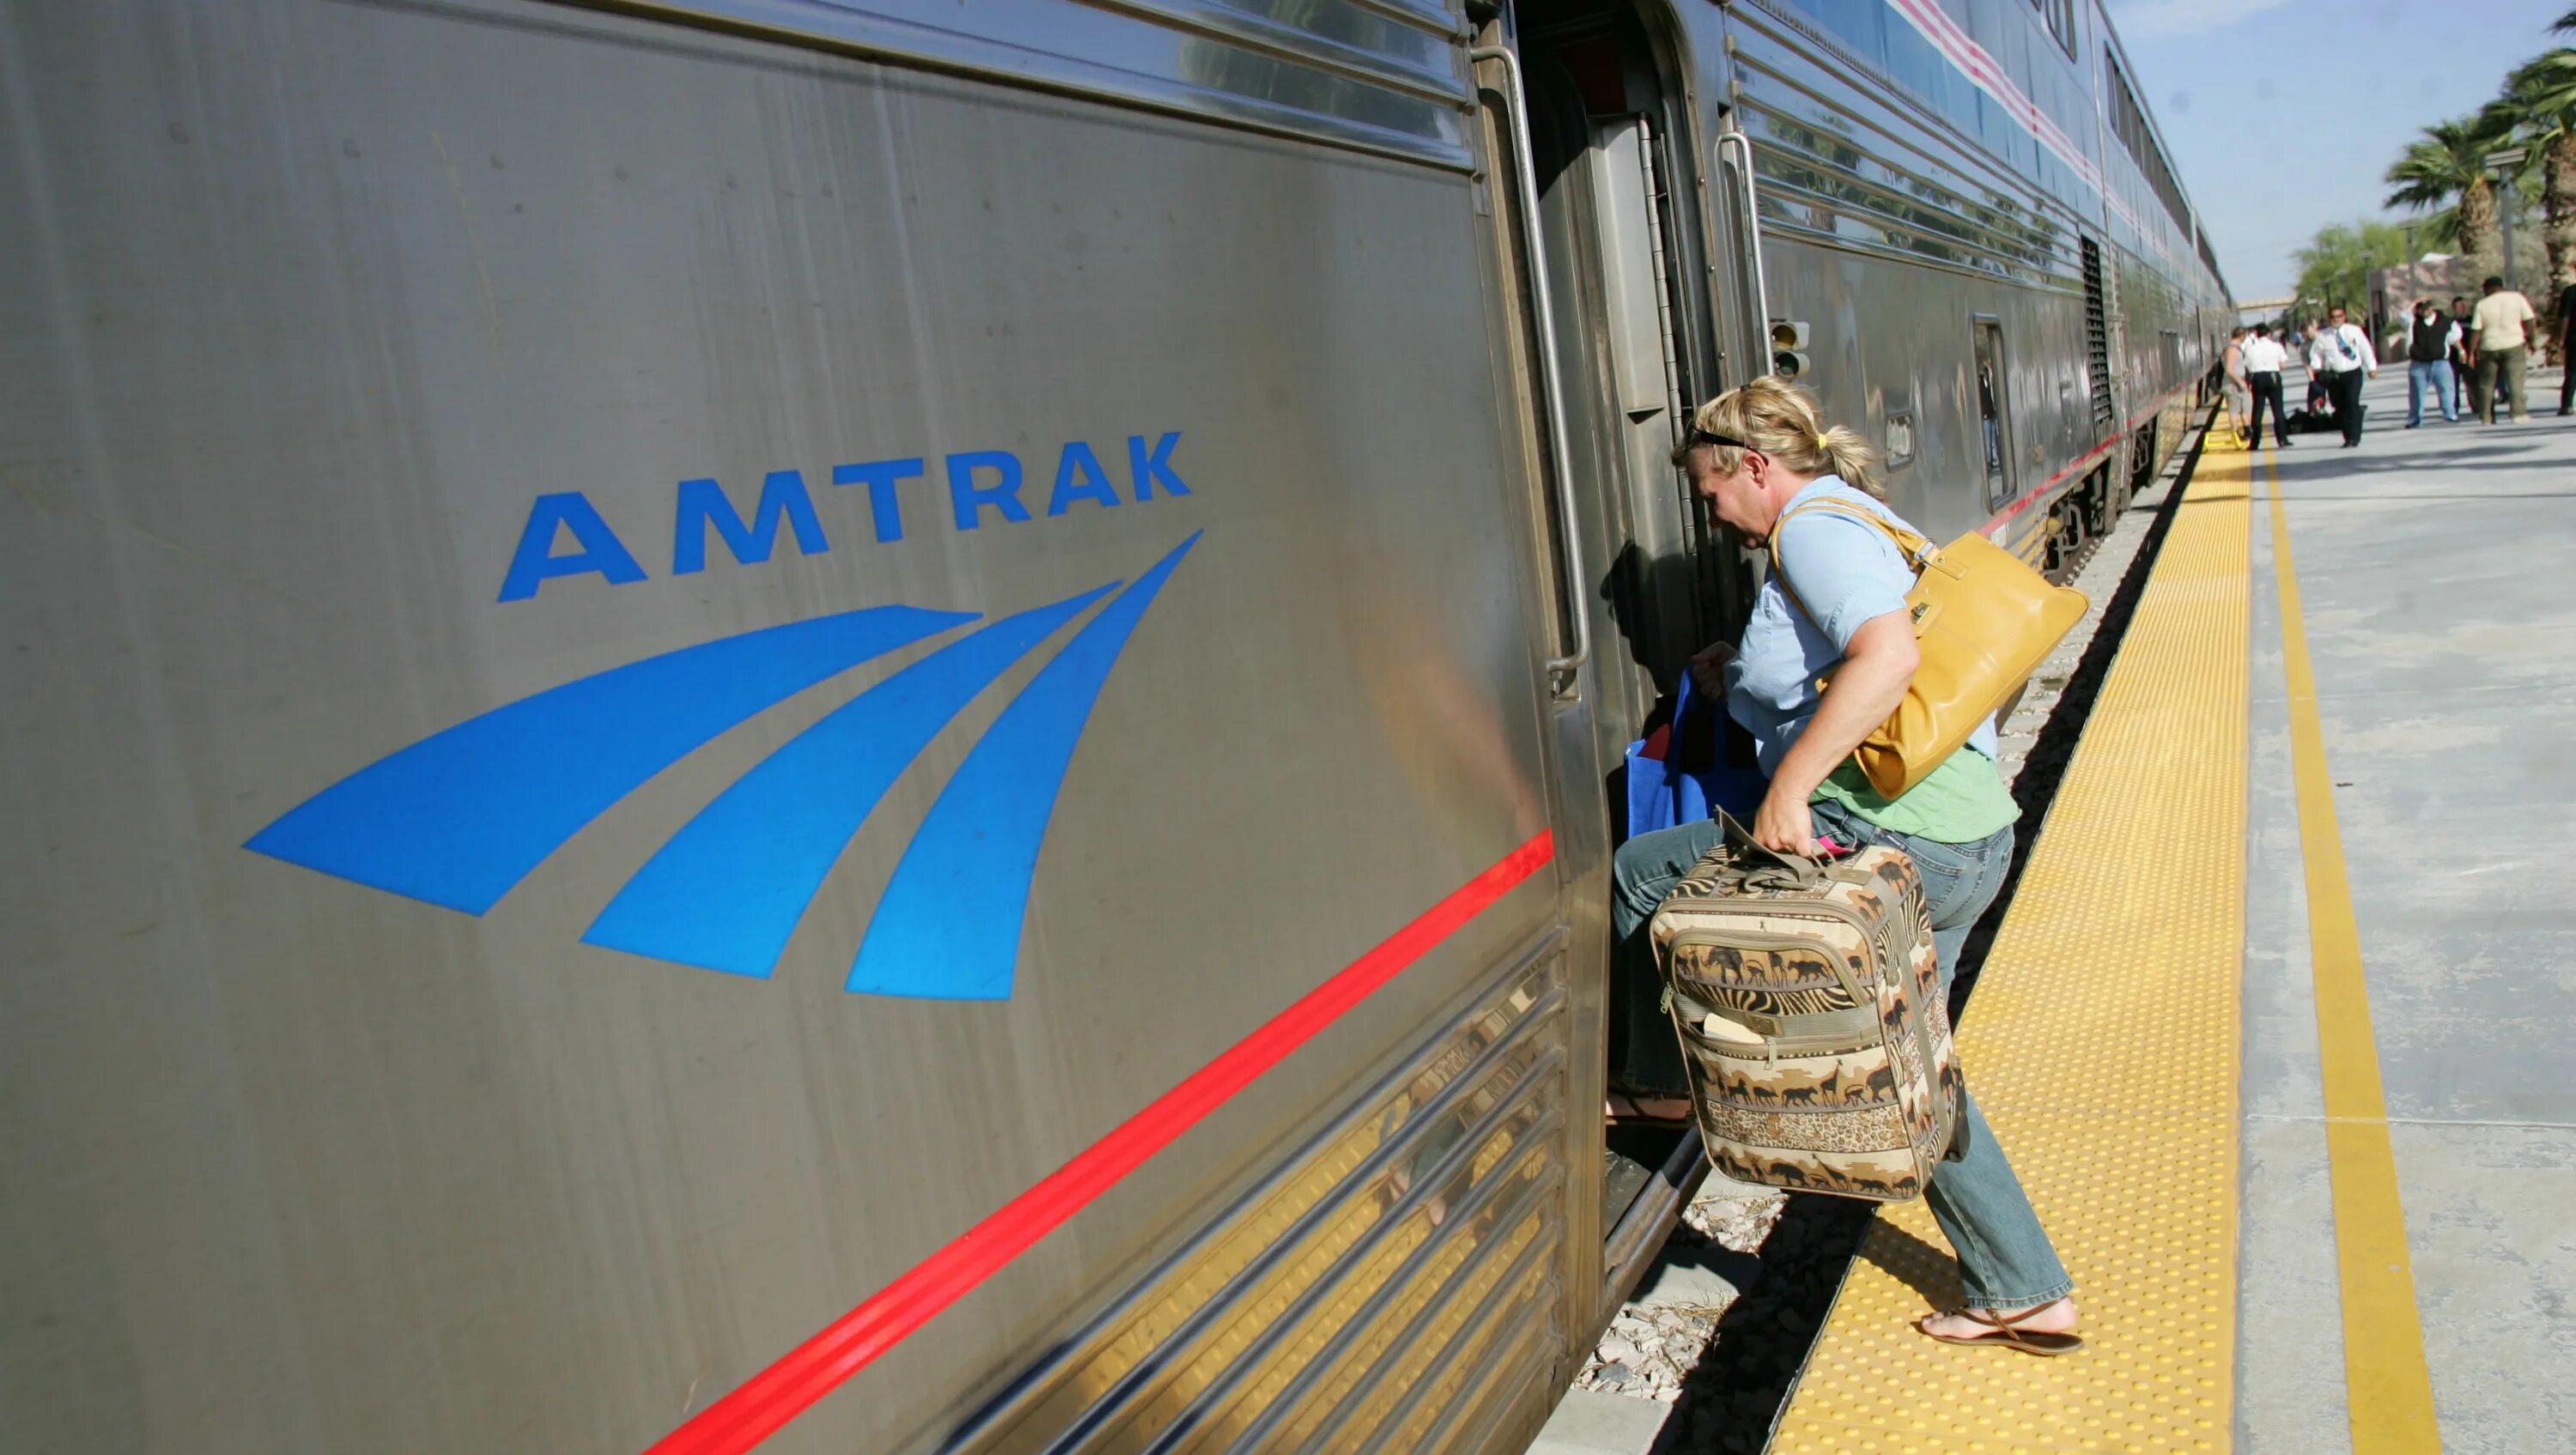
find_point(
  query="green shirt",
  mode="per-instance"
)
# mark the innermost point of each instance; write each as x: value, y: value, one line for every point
x: 1960, y: 802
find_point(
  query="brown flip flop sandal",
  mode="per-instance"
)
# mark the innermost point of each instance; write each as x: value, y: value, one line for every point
x: 2008, y: 1332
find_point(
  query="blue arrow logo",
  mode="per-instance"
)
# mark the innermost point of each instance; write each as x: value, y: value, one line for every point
x: 458, y: 819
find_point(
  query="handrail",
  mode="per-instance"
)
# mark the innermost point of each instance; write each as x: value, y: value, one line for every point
x: 1572, y: 579
x: 1752, y: 221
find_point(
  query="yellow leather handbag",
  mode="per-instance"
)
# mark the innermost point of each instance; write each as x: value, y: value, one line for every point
x: 1983, y: 621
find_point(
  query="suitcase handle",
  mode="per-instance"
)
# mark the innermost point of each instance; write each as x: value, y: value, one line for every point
x: 1802, y: 870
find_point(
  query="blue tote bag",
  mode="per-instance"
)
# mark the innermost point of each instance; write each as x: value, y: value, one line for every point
x: 1663, y: 794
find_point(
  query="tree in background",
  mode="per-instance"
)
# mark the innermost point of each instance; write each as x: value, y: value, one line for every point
x: 2443, y: 174
x: 2335, y: 265
x: 2445, y: 169
x: 2538, y: 109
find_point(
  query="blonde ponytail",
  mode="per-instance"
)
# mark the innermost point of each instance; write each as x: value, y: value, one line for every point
x: 1853, y: 458
x: 1781, y: 420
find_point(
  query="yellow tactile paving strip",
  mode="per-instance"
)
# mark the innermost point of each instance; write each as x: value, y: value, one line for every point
x: 2103, y: 1047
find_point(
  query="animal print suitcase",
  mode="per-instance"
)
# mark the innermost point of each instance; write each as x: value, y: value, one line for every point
x: 1809, y: 1004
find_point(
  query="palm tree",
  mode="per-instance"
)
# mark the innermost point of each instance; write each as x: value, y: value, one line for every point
x: 2538, y: 108
x: 2446, y: 168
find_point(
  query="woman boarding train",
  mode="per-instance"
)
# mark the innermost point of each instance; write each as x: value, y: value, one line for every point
x: 1755, y: 454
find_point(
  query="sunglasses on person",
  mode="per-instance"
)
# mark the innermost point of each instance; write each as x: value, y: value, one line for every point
x: 1699, y: 436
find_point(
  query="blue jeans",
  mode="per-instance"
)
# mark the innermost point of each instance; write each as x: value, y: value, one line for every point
x: 2005, y: 1258
x: 2436, y: 376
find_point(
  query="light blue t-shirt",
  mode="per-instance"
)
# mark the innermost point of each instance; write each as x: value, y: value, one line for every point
x: 1847, y: 572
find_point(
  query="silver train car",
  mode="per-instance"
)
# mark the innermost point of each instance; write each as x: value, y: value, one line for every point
x: 871, y: 725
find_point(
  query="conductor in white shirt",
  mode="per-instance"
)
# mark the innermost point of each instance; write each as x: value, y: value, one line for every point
x: 2341, y: 355
x: 2263, y: 357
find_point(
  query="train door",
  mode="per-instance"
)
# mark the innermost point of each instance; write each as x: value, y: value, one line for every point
x: 1632, y: 333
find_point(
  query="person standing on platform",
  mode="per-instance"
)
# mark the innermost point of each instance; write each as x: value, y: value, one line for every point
x: 2463, y: 357
x: 2341, y: 356
x: 2263, y: 359
x: 2567, y: 350
x: 2240, y: 399
x: 2320, y: 400
x: 2430, y: 340
x: 2500, y: 328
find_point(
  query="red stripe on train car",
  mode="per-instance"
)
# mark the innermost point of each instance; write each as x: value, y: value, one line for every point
x: 768, y: 1400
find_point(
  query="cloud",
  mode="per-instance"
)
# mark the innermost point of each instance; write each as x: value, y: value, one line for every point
x: 2170, y: 19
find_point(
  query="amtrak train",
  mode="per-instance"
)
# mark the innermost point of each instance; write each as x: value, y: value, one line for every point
x: 888, y: 725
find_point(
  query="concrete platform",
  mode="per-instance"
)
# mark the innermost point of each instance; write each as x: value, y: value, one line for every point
x: 2433, y: 568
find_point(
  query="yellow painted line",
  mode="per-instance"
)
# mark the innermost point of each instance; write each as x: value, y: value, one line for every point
x: 2104, y: 1048
x: 2389, y: 1387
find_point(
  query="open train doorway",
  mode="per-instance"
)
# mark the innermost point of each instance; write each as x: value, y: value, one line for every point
x: 1616, y: 147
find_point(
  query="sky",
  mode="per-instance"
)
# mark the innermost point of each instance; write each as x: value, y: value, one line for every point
x: 2282, y: 115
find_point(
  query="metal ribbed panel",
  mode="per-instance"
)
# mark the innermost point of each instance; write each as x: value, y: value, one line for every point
x: 1424, y: 1228
x: 1854, y: 165
x: 1839, y: 186
x: 2097, y: 336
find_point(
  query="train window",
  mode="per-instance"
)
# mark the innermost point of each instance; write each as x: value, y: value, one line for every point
x: 2060, y: 16
x: 1993, y: 418
x: 2137, y: 136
